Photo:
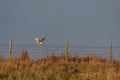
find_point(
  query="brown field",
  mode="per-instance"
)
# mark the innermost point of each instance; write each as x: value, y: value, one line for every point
x: 58, y: 68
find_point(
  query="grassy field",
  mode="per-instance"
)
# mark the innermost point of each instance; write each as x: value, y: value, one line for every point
x: 58, y: 68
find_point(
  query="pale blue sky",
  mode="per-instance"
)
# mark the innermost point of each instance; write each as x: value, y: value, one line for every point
x: 81, y: 22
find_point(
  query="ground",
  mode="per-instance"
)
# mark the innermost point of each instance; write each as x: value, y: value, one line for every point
x: 59, y: 68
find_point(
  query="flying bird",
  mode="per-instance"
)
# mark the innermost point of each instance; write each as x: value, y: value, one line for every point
x: 40, y: 41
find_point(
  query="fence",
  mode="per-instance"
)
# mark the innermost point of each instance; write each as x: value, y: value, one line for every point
x: 37, y: 51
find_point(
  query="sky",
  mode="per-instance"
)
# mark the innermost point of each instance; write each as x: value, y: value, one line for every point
x: 80, y: 22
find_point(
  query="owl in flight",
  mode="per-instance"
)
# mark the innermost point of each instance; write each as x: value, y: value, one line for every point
x: 40, y: 41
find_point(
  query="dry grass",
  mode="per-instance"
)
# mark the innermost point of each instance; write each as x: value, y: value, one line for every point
x: 57, y: 68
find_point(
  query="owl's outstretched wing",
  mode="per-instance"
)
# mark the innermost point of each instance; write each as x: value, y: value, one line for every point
x: 43, y: 39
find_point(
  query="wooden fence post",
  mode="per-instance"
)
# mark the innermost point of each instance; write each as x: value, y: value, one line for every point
x: 0, y: 54
x: 110, y: 52
x: 10, y: 48
x: 66, y: 50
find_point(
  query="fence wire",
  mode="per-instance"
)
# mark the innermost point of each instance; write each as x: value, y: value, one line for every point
x: 37, y: 51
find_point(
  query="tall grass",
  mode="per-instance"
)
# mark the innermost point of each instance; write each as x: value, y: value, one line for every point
x: 56, y: 68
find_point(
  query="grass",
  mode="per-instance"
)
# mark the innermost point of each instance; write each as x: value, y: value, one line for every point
x: 57, y: 68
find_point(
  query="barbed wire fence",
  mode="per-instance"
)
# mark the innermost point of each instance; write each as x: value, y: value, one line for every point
x: 36, y: 51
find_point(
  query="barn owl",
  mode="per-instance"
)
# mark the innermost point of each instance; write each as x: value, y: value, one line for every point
x: 40, y: 41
